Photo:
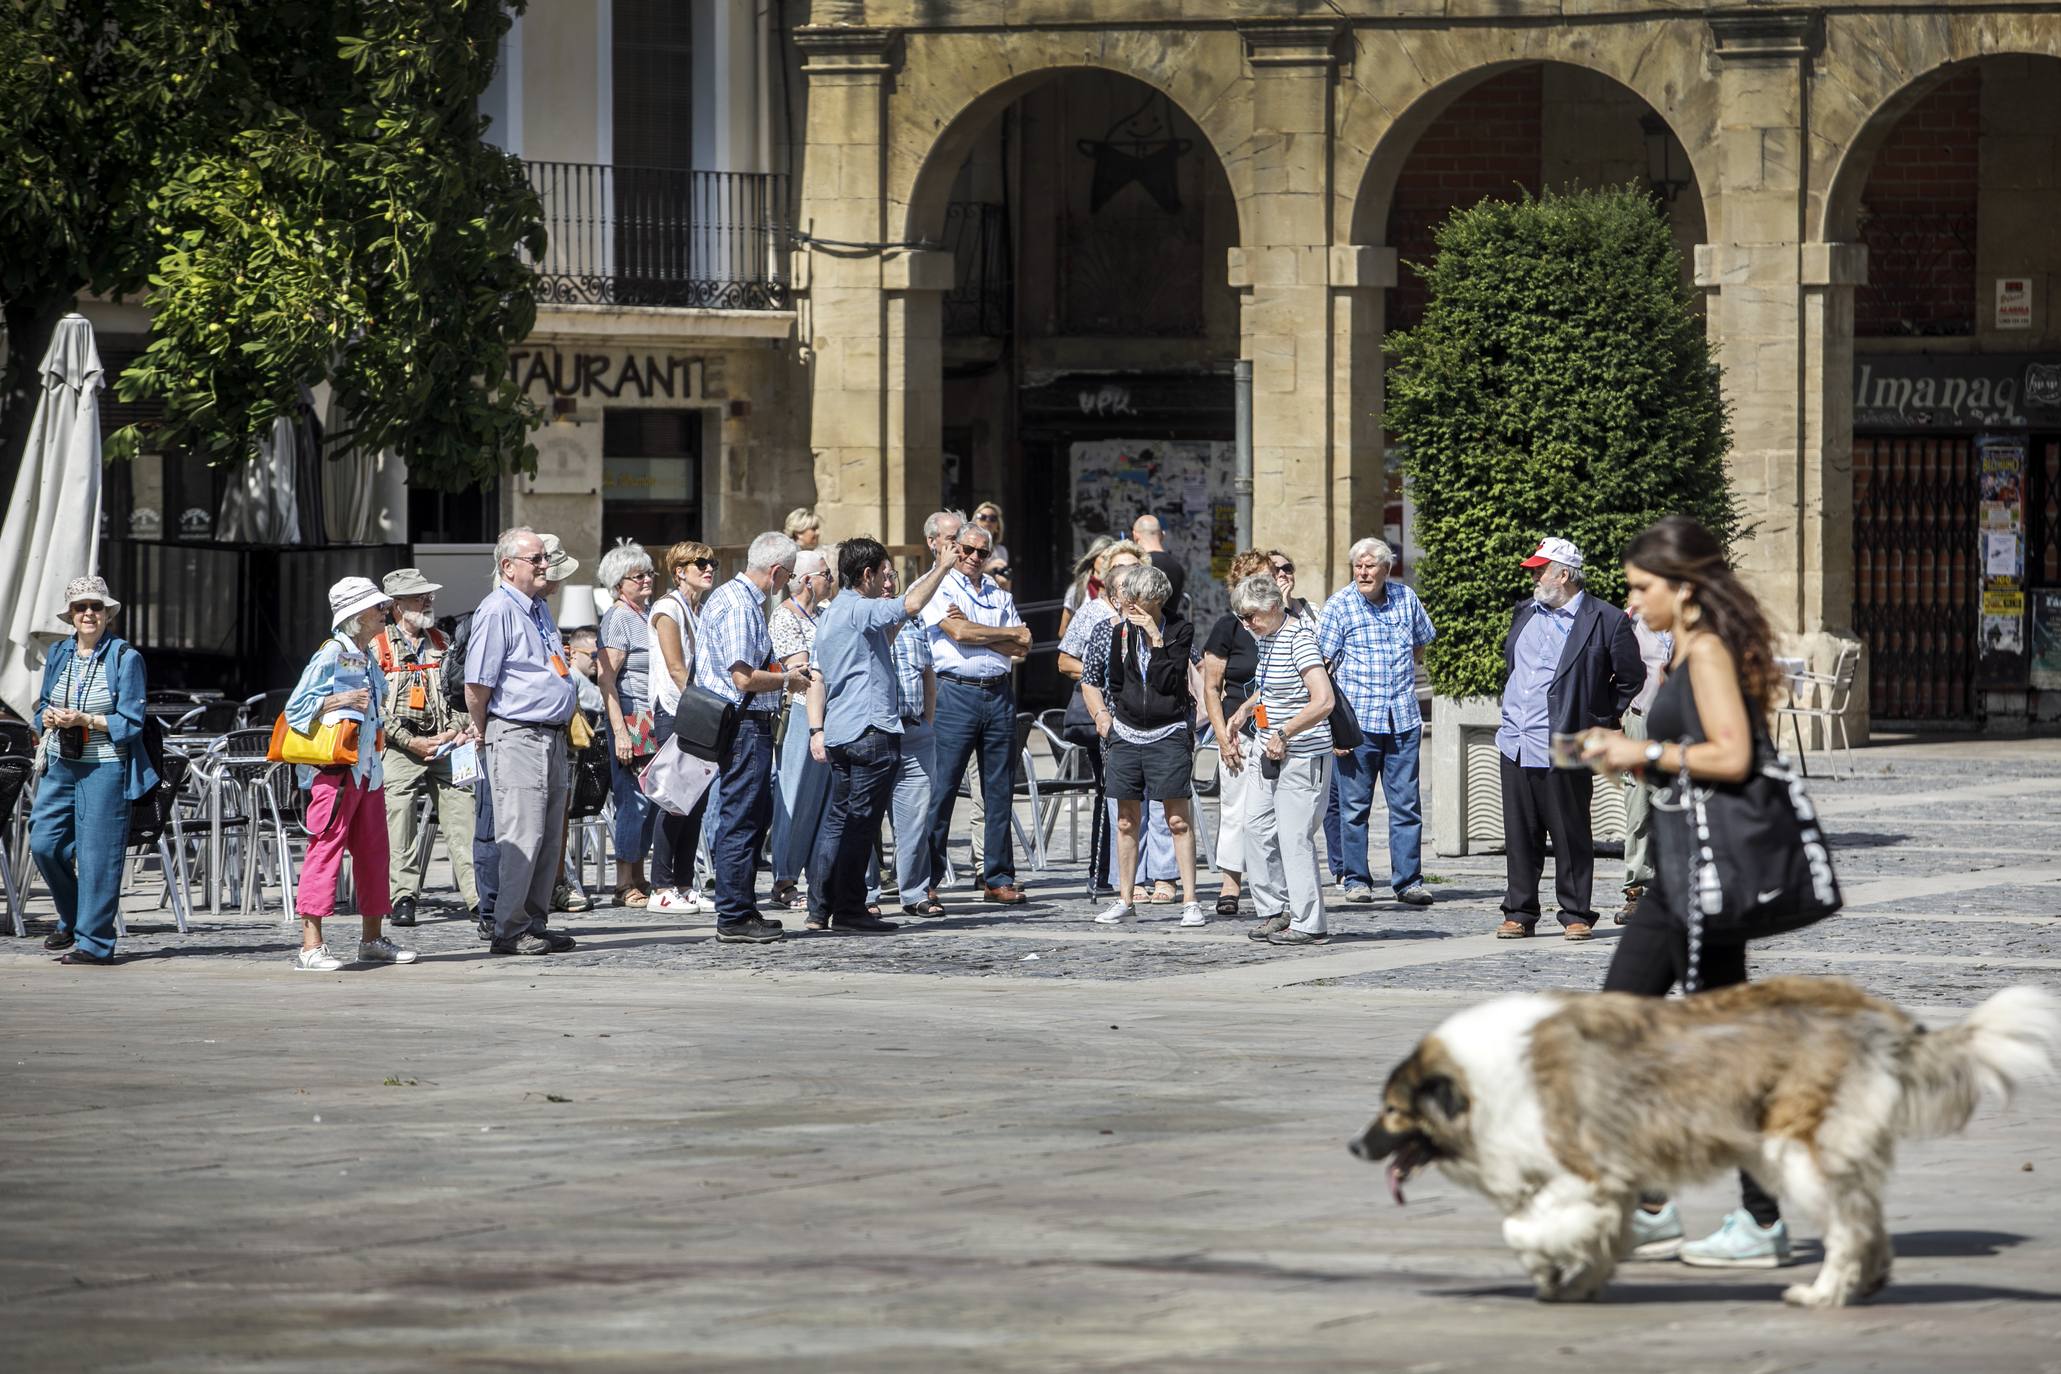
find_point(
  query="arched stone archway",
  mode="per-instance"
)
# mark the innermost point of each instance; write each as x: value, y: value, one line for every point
x: 1887, y: 64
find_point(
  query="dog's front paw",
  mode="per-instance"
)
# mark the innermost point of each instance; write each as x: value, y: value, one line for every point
x: 1810, y: 1295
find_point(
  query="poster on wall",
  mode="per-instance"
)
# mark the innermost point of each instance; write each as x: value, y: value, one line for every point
x: 2014, y: 303
x: 2044, y: 660
x: 2001, y: 639
x: 1185, y: 482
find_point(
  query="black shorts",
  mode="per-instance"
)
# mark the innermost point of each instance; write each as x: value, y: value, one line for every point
x: 1161, y: 771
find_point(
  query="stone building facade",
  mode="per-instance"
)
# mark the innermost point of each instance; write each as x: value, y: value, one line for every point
x: 1863, y: 193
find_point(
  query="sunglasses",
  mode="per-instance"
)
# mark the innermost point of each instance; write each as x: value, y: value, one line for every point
x: 705, y: 564
x: 987, y: 517
x: 88, y: 608
x: 541, y: 560
x: 973, y: 548
x: 1284, y: 570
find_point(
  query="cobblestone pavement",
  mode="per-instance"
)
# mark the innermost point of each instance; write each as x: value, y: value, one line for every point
x: 1005, y: 1139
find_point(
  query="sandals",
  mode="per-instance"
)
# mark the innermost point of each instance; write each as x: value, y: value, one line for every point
x: 1632, y: 895
x: 787, y: 896
x: 1227, y: 905
x: 1165, y: 893
x: 929, y: 906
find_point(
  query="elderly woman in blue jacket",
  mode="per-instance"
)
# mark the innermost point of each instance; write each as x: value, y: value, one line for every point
x: 92, y: 765
x: 346, y: 802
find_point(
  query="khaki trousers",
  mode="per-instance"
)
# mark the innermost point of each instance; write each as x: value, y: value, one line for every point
x: 1638, y: 816
x: 408, y: 779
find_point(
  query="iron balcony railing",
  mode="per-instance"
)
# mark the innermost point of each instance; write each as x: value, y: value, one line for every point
x: 656, y: 236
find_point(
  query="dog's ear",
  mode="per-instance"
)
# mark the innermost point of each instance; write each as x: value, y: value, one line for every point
x: 1444, y: 1094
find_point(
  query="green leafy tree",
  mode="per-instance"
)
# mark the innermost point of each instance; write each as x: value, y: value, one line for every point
x: 305, y: 196
x: 1559, y: 384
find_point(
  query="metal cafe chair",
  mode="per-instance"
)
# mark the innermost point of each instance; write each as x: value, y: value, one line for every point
x: 14, y: 780
x: 1822, y: 698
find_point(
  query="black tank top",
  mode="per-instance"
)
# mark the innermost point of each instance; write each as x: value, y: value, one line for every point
x: 1673, y: 717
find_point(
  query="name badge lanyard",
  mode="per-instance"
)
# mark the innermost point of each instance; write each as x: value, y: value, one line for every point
x: 71, y: 681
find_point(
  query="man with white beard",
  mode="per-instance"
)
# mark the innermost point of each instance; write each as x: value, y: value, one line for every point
x: 420, y: 723
x: 1571, y: 663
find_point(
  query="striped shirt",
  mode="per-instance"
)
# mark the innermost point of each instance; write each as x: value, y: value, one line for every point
x: 84, y: 687
x: 1284, y: 656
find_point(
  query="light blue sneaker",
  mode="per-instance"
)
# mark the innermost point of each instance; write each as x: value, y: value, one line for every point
x: 1740, y: 1244
x: 1655, y: 1235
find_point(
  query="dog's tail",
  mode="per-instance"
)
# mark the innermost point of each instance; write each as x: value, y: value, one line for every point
x: 2008, y: 1039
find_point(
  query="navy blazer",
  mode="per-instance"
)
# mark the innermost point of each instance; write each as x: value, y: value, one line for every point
x: 1600, y: 669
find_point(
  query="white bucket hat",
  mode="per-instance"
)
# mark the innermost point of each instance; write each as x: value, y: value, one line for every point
x: 87, y: 589
x: 352, y: 595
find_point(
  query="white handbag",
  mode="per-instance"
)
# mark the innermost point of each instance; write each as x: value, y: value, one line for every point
x: 675, y: 780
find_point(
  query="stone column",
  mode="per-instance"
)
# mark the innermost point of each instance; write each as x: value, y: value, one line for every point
x: 1783, y: 319
x: 1283, y: 266
x: 869, y: 312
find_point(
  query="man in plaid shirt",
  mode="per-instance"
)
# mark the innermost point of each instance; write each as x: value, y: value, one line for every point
x: 1370, y: 633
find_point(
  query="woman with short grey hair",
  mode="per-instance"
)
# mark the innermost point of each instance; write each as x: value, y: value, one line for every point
x: 1144, y: 708
x: 623, y: 672
x: 1290, y: 709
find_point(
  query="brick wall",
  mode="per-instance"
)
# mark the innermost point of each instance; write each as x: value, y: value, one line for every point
x: 1919, y: 220
x: 1486, y: 146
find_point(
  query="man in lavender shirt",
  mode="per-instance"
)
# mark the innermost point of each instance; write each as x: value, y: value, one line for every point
x: 520, y: 695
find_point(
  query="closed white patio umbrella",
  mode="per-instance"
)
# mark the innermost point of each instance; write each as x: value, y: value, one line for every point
x: 52, y: 531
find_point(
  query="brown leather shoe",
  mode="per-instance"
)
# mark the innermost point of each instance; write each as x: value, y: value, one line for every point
x: 1632, y: 896
x: 1578, y: 930
x: 1007, y: 896
x: 1513, y: 930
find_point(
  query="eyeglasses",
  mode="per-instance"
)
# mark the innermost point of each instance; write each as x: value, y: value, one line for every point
x: 705, y: 564
x: 644, y: 576
x: 539, y: 560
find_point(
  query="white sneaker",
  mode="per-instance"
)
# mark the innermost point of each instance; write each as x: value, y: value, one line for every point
x: 317, y: 960
x: 384, y: 951
x: 677, y: 902
x: 1191, y: 915
x: 1118, y: 913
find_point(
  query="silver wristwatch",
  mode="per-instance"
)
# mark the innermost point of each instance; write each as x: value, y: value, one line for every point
x: 1654, y: 749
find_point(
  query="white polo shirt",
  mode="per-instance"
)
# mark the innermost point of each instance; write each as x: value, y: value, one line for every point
x: 987, y: 605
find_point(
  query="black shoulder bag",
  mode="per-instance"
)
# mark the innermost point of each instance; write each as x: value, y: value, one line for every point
x: 1753, y: 855
x: 704, y: 724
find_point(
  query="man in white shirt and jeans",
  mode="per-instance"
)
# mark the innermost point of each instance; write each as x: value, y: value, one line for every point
x: 976, y: 638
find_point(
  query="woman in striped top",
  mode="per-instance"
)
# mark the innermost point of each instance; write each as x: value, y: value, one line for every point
x: 1290, y: 707
x: 92, y: 765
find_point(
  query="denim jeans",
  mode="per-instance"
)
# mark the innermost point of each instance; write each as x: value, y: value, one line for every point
x: 635, y: 815
x: 78, y: 832
x: 745, y: 811
x: 1392, y: 758
x: 915, y: 778
x: 862, y: 786
x: 486, y: 855
x: 976, y: 722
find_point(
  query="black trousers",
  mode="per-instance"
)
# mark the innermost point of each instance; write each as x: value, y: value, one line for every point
x: 1652, y: 955
x: 1538, y: 802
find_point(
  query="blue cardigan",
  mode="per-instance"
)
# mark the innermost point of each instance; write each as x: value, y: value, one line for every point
x: 124, y: 718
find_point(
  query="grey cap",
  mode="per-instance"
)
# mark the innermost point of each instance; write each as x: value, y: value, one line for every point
x: 408, y: 582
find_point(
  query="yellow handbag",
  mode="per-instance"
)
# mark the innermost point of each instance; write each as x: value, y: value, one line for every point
x: 577, y: 732
x: 333, y: 745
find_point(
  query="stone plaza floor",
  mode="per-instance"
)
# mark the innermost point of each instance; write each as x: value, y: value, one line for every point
x: 1003, y: 1140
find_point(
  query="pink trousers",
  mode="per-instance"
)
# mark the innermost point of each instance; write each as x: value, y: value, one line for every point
x: 343, y: 816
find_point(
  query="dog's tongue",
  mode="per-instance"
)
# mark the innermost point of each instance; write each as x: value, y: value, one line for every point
x: 1395, y: 1182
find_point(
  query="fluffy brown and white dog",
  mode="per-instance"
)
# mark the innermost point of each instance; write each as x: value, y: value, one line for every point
x: 1562, y: 1108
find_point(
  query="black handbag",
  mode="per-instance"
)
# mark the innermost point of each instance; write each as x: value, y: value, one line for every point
x: 705, y: 724
x: 1753, y: 855
x: 1345, y: 722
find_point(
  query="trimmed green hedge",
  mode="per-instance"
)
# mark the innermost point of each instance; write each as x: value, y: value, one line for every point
x: 1559, y: 384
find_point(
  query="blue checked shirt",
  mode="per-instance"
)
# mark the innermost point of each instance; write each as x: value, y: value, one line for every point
x: 732, y: 629
x: 1371, y: 647
x: 912, y: 656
